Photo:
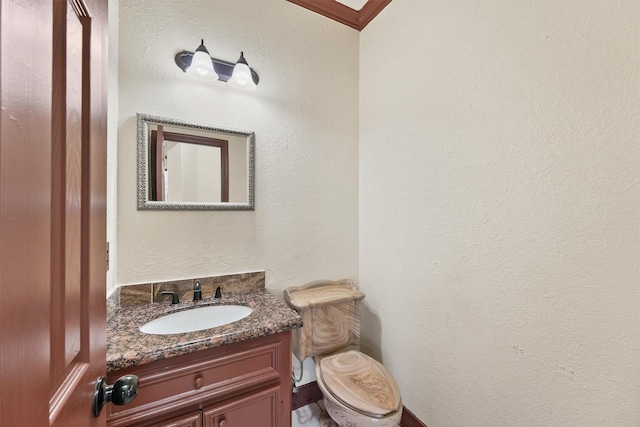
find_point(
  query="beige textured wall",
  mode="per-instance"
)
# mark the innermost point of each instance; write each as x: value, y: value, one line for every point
x: 305, y: 116
x: 499, y: 205
x: 500, y: 209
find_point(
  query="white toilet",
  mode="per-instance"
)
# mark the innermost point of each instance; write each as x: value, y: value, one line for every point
x: 358, y: 390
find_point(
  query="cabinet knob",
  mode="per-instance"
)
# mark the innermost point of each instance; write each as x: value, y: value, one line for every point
x: 198, y: 381
x: 223, y: 423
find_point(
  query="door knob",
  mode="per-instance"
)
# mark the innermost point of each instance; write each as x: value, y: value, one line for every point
x: 123, y: 391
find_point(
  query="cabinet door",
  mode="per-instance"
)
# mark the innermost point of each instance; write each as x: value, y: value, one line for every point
x: 256, y: 410
x: 191, y: 420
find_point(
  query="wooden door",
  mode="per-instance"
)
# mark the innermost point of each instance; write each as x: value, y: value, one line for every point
x: 53, y: 85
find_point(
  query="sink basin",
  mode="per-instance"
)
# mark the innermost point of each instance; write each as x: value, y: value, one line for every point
x: 196, y: 319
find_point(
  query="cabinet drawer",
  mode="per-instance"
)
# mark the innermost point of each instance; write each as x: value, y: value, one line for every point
x: 179, y: 382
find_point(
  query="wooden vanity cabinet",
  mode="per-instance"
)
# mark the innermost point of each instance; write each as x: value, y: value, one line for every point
x: 245, y: 384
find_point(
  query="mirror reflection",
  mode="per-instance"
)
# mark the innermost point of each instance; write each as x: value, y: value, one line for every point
x: 185, y: 166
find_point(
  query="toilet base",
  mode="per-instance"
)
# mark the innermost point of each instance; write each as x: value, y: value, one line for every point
x: 326, y: 421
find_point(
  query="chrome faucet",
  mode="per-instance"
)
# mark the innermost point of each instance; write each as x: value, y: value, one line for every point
x: 197, y: 291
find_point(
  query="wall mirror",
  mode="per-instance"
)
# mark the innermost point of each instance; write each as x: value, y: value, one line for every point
x: 186, y: 166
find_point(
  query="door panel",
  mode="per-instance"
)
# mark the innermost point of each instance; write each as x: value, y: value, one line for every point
x: 67, y: 191
x: 69, y: 365
x: 73, y: 214
x: 52, y: 210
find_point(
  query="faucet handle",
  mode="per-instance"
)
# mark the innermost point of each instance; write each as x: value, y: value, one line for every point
x: 218, y: 293
x: 174, y: 296
x: 197, y: 291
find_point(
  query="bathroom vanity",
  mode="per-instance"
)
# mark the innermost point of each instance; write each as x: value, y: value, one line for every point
x: 232, y: 375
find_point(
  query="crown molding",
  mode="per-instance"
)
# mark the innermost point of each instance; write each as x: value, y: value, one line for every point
x: 357, y: 19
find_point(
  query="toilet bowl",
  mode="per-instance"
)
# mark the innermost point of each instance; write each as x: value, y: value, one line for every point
x: 358, y: 391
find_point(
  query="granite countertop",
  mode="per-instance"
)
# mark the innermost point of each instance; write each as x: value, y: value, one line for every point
x: 127, y: 346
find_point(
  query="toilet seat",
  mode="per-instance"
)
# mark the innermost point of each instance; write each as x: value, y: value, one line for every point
x: 360, y: 383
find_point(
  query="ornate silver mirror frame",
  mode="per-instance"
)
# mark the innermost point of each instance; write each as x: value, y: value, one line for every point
x: 145, y: 202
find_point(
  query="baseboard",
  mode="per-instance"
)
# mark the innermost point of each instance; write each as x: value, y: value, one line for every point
x: 409, y: 419
x: 305, y: 395
x: 310, y: 393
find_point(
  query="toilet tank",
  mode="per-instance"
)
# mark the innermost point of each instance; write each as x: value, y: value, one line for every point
x: 330, y: 313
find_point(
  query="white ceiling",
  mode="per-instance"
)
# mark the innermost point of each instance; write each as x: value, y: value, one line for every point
x: 353, y: 4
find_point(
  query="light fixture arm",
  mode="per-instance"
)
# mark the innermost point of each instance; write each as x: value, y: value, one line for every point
x: 224, y: 69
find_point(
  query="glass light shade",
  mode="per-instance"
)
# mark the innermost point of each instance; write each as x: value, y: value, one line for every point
x: 241, y: 77
x: 201, y: 65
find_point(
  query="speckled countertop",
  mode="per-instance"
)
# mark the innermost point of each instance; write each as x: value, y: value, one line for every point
x: 127, y: 346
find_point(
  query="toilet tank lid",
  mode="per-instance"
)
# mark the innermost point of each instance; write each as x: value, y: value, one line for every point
x: 322, y: 292
x: 360, y: 383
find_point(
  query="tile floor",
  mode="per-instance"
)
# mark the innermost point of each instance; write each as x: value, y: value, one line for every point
x: 307, y: 416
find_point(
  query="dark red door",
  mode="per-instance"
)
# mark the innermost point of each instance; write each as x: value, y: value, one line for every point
x: 53, y: 87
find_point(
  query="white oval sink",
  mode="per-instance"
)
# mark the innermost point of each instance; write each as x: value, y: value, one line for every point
x: 196, y: 319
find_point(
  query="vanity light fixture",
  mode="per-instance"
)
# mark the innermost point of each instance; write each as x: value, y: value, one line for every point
x: 200, y: 64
